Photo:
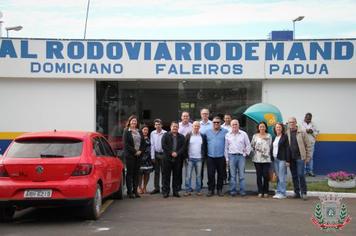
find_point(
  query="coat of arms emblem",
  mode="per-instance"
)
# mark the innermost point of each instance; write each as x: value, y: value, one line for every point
x: 330, y: 214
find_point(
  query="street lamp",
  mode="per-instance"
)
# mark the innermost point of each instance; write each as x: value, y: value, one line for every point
x: 15, y: 28
x: 86, y: 20
x: 299, y: 18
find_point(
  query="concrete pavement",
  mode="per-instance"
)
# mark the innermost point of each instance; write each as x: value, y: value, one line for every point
x: 193, y: 215
x: 154, y: 215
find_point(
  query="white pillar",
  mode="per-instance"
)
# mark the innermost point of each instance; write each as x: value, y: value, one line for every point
x: 1, y: 28
x: 1, y: 24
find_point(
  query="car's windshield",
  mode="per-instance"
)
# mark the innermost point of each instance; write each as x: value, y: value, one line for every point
x: 46, y: 148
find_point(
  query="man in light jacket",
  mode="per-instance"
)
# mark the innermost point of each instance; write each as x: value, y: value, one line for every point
x: 310, y: 128
x: 300, y: 148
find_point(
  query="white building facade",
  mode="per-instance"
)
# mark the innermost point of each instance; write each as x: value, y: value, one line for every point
x: 48, y: 84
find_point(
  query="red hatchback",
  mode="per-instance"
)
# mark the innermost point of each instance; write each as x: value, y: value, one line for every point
x: 59, y: 168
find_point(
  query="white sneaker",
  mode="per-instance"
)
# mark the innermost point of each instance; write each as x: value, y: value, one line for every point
x: 279, y: 196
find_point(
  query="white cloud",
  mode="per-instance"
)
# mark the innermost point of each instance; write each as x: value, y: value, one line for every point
x: 236, y: 14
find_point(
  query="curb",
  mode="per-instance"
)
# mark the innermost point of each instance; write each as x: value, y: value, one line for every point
x: 319, y: 194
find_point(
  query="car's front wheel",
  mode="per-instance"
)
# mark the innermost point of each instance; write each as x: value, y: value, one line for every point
x: 7, y: 213
x: 93, y: 209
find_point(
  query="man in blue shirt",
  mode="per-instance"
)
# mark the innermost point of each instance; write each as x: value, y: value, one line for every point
x: 205, y: 124
x: 216, y: 160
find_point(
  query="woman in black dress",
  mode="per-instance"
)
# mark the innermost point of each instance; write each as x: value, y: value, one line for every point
x: 146, y: 166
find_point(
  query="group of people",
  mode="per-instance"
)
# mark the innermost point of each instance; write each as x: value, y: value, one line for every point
x: 220, y: 146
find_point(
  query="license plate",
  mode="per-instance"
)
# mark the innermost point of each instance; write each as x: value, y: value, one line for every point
x: 38, y: 193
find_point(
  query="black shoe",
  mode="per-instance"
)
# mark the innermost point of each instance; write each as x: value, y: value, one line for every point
x: 176, y: 195
x: 154, y: 191
x: 137, y: 195
x: 210, y: 193
x: 165, y: 195
x: 296, y: 195
x: 220, y: 193
x: 311, y: 174
x: 130, y: 195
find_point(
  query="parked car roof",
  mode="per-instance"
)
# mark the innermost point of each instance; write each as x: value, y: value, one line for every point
x: 56, y: 133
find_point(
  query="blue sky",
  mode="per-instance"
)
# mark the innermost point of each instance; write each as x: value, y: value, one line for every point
x: 183, y: 19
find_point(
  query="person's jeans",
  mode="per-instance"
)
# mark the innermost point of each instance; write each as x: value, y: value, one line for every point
x: 237, y: 163
x: 281, y: 172
x: 309, y: 167
x: 297, y: 170
x: 203, y: 161
x: 195, y: 164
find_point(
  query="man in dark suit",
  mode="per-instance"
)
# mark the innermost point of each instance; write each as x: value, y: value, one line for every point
x: 173, y: 148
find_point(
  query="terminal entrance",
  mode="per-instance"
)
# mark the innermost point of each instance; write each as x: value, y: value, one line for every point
x: 148, y: 100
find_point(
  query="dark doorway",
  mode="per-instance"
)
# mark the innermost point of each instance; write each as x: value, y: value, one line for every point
x: 117, y: 100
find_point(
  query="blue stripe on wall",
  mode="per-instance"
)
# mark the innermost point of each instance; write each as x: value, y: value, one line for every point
x: 334, y: 156
x: 3, y: 145
x: 328, y: 156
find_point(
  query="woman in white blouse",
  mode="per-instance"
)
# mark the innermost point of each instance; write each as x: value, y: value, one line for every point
x: 280, y: 155
x: 261, y: 144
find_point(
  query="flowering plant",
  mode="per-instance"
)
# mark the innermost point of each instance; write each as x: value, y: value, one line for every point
x: 341, y: 176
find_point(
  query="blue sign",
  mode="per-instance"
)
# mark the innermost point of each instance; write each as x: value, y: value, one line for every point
x: 177, y: 59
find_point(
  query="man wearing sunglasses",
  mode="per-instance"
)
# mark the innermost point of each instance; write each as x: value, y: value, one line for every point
x: 216, y: 160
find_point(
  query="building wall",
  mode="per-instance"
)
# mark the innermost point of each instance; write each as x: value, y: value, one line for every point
x: 332, y: 103
x: 43, y: 104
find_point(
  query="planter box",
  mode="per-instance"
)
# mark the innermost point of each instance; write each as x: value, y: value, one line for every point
x: 343, y: 184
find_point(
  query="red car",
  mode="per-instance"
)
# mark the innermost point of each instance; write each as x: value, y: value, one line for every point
x: 59, y: 168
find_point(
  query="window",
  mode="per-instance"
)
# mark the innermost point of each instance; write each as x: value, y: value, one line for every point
x: 148, y: 100
x: 107, y: 148
x: 97, y: 147
x: 46, y: 148
x: 102, y: 148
